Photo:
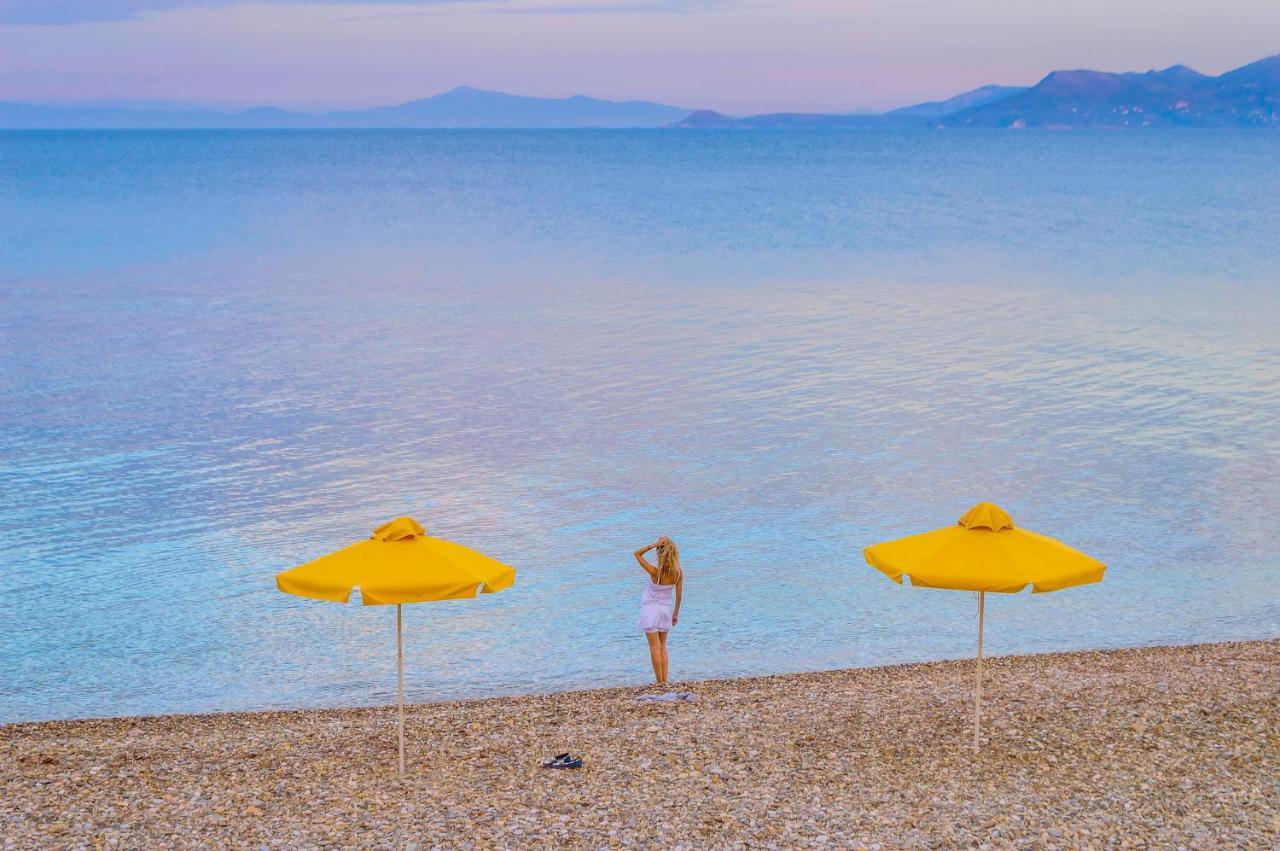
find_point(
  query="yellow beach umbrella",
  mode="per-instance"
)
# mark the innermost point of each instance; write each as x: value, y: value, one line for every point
x: 399, y: 564
x: 984, y: 552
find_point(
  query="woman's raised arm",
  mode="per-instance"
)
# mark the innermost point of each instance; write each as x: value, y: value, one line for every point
x: 650, y: 569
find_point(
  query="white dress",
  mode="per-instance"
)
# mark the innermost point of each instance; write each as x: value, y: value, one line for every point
x: 657, y: 605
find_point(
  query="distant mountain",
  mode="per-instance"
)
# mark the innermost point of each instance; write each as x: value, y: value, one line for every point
x: 977, y: 97
x: 1175, y: 97
x: 461, y: 107
x: 918, y: 115
x: 468, y: 107
x: 704, y: 118
x: 25, y: 116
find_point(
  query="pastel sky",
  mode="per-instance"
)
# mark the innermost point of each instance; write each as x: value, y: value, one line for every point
x: 731, y: 55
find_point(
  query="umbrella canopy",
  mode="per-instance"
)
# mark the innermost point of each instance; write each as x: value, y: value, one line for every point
x: 984, y: 552
x: 399, y: 564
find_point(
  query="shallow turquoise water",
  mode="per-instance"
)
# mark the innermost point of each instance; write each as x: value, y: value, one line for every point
x: 226, y: 353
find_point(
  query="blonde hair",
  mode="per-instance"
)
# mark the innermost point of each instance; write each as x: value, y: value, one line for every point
x: 668, y: 561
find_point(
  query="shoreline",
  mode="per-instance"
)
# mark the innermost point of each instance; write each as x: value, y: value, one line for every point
x: 1176, y: 745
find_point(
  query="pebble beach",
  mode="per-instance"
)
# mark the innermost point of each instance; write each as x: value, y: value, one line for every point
x: 1167, y: 747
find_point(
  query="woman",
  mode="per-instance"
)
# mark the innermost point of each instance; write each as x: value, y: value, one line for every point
x: 660, y: 604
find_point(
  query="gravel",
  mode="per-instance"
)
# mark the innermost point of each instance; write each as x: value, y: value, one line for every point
x: 1153, y: 748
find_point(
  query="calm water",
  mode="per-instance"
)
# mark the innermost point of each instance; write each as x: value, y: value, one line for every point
x: 227, y: 353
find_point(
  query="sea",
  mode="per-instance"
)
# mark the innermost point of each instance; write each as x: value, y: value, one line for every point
x: 224, y: 353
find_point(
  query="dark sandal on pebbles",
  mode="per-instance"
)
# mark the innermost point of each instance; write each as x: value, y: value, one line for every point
x: 562, y: 761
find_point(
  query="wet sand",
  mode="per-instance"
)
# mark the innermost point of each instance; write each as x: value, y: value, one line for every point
x: 1155, y: 747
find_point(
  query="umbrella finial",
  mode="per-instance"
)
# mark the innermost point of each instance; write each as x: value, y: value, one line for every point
x: 400, y: 529
x: 986, y: 515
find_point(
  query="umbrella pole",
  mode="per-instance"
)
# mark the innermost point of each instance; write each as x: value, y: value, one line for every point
x: 400, y: 677
x: 977, y: 701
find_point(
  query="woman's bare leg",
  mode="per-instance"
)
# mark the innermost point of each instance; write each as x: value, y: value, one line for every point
x: 662, y: 640
x: 656, y: 656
